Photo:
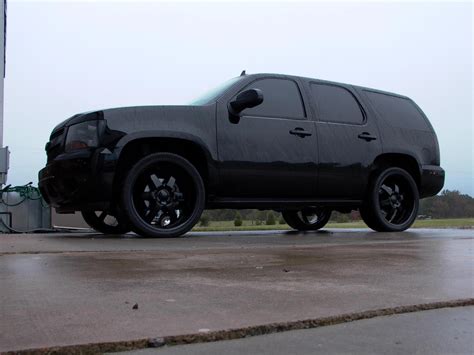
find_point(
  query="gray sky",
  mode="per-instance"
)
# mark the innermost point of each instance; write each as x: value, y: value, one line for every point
x: 64, y: 58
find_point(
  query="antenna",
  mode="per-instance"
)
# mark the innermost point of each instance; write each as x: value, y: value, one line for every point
x: 243, y: 73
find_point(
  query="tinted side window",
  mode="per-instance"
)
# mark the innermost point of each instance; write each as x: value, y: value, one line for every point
x: 336, y: 104
x: 398, y: 111
x: 281, y: 98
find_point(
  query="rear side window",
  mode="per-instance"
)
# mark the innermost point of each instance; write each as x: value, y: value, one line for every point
x: 398, y: 111
x: 336, y: 104
x: 281, y: 98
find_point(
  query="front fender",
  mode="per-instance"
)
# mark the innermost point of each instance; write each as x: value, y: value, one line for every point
x: 164, y: 134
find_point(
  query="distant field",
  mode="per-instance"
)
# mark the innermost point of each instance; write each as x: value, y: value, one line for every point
x: 427, y: 223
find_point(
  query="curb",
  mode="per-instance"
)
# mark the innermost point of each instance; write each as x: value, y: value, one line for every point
x: 238, y: 333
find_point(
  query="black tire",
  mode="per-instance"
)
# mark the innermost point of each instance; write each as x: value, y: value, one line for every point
x: 392, y: 201
x: 105, y: 223
x: 367, y: 217
x: 307, y: 218
x: 163, y: 196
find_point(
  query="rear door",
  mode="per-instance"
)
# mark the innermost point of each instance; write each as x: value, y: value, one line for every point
x: 348, y: 141
x: 271, y: 151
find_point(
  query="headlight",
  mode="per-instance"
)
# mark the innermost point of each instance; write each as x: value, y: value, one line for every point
x: 83, y: 135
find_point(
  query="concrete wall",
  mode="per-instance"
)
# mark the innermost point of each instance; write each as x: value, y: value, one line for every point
x: 26, y: 213
x: 68, y: 220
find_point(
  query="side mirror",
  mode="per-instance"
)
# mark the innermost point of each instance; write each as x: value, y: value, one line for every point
x: 245, y: 99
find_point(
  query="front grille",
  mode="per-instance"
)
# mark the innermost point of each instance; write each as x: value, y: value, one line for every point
x: 55, y: 146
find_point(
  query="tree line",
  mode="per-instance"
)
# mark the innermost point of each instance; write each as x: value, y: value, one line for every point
x: 448, y: 204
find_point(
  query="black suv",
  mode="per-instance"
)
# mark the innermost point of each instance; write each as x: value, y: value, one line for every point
x: 301, y: 146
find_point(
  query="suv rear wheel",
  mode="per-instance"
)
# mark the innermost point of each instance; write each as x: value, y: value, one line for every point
x: 103, y: 222
x: 163, y: 196
x: 307, y: 218
x: 392, y: 201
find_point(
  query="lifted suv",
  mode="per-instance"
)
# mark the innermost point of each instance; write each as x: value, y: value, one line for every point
x: 300, y: 146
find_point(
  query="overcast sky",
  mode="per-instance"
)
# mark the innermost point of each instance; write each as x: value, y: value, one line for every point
x: 64, y: 58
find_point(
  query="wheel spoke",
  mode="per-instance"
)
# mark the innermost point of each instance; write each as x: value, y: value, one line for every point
x: 178, y: 196
x: 301, y: 215
x: 152, y: 212
x: 159, y: 216
x: 387, y: 189
x: 112, y: 223
x: 397, y: 190
x: 394, y: 213
x: 385, y: 202
x: 311, y: 217
x: 102, y: 216
x: 304, y: 218
x: 153, y: 182
x: 173, y: 215
x: 171, y: 182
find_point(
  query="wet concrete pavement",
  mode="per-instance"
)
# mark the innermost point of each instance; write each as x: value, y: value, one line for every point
x: 63, y: 289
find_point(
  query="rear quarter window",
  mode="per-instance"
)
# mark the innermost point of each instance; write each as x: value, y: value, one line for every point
x: 398, y: 111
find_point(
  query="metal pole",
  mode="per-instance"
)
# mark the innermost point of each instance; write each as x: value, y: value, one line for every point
x: 4, y: 153
x: 2, y: 69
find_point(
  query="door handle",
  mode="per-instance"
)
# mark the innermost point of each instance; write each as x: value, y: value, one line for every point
x: 367, y: 136
x: 300, y: 132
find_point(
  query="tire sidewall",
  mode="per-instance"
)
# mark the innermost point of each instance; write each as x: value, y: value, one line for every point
x: 140, y: 226
x: 375, y: 203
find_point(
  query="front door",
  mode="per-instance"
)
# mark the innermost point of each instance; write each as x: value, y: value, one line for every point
x: 272, y: 150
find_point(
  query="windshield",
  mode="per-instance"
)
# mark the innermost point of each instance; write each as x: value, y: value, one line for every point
x: 213, y: 95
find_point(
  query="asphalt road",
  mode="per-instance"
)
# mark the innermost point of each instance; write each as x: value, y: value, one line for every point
x: 441, y: 331
x: 63, y: 289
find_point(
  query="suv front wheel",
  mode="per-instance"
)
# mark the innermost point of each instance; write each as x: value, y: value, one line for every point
x: 392, y: 201
x: 105, y: 223
x: 163, y: 196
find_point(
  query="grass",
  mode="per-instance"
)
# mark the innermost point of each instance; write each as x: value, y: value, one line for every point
x: 426, y: 223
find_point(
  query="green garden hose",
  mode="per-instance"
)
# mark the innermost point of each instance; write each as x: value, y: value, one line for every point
x: 26, y: 192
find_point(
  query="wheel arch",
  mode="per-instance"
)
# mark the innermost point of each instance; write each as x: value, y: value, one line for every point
x: 400, y: 160
x: 132, y: 148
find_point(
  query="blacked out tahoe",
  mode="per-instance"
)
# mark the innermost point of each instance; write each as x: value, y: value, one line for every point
x: 303, y: 147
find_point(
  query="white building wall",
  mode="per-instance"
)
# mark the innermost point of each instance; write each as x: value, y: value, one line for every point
x: 2, y: 62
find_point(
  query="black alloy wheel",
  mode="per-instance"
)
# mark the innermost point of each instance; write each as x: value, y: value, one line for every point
x: 392, y: 203
x: 307, y: 218
x: 163, y: 196
x: 103, y: 222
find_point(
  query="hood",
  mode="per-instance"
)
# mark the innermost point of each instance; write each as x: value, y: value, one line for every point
x: 133, y: 119
x: 129, y: 119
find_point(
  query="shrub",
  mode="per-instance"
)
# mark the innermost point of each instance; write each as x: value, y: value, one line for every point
x: 270, y: 219
x: 339, y: 217
x: 204, y: 221
x: 281, y: 220
x: 238, y: 220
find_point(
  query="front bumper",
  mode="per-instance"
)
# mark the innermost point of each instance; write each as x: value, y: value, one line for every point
x: 432, y: 180
x: 78, y: 181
